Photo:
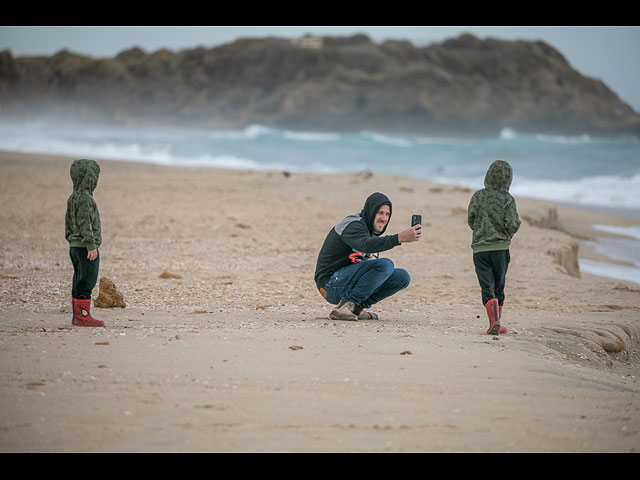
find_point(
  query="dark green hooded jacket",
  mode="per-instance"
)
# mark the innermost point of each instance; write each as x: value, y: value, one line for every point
x: 492, y: 213
x: 82, y: 220
x: 354, y: 233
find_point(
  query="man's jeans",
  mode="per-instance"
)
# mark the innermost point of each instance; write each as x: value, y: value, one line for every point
x: 366, y: 283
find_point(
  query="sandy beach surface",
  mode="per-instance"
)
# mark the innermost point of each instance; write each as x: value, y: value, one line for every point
x: 225, y: 345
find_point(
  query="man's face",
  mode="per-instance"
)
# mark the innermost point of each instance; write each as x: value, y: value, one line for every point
x: 382, y: 218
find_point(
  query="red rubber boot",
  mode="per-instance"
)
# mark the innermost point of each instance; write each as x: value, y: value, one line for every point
x: 494, y: 316
x: 82, y: 316
x: 502, y: 329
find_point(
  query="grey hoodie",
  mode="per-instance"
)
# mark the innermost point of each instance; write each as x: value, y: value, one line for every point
x: 354, y: 233
x: 492, y: 213
x: 82, y: 219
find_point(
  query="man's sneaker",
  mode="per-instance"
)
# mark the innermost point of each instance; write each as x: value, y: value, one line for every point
x: 362, y: 315
x: 343, y: 311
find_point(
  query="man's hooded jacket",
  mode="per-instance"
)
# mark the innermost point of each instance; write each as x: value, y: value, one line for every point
x: 82, y: 221
x: 354, y: 233
x: 492, y: 213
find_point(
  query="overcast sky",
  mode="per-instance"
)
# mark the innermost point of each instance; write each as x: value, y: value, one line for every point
x: 611, y: 54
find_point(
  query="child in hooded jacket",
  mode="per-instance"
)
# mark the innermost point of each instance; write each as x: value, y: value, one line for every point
x: 493, y: 217
x: 83, y: 232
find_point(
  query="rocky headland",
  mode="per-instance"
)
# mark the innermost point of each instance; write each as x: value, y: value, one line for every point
x: 464, y: 85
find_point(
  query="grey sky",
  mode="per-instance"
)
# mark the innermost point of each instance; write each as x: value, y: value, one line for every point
x: 607, y: 53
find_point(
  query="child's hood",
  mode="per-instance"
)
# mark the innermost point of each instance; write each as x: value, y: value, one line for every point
x: 84, y: 174
x: 499, y: 176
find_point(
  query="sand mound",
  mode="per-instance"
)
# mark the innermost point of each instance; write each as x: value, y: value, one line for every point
x: 567, y: 257
x: 109, y: 295
x: 601, y: 345
x: 542, y: 215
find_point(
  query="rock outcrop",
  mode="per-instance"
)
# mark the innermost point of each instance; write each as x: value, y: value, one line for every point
x: 109, y: 296
x: 463, y: 85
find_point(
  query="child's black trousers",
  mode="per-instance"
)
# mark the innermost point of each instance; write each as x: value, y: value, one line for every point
x: 85, y: 273
x: 491, y: 269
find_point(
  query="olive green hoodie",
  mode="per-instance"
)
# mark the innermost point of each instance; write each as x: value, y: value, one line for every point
x: 492, y: 213
x: 82, y: 221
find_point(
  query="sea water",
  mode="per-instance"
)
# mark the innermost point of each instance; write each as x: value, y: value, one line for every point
x: 599, y: 173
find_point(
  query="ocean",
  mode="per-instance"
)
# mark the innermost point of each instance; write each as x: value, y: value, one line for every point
x: 599, y: 173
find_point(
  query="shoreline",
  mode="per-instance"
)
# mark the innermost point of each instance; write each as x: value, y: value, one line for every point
x: 611, y: 253
x: 233, y: 351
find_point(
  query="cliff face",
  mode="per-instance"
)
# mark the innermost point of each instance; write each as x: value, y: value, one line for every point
x: 463, y: 86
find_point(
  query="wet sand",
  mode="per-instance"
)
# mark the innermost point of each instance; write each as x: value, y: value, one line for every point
x: 233, y: 350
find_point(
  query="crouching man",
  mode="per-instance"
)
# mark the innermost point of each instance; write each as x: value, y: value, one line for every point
x: 349, y: 273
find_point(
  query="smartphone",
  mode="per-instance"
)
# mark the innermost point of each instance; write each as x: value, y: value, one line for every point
x: 416, y: 220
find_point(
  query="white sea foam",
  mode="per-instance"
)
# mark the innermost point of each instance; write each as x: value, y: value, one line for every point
x: 512, y: 134
x: 390, y: 140
x: 250, y: 132
x: 507, y: 133
x: 612, y: 191
x: 605, y: 191
x: 563, y: 140
x: 155, y: 153
x: 311, y: 136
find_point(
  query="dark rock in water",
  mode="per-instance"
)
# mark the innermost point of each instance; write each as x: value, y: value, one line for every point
x: 464, y: 86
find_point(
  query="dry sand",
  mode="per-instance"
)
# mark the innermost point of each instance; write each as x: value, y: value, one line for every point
x: 233, y: 351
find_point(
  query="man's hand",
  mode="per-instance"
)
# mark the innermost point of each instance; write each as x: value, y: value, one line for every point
x: 410, y: 234
x: 93, y: 254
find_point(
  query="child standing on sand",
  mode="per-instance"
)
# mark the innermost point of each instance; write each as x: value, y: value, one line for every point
x: 493, y: 217
x: 83, y: 232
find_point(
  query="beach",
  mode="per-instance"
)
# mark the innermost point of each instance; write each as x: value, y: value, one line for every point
x: 225, y: 344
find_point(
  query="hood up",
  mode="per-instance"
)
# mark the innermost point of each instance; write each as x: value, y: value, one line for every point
x: 499, y: 176
x: 84, y: 174
x: 371, y: 208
